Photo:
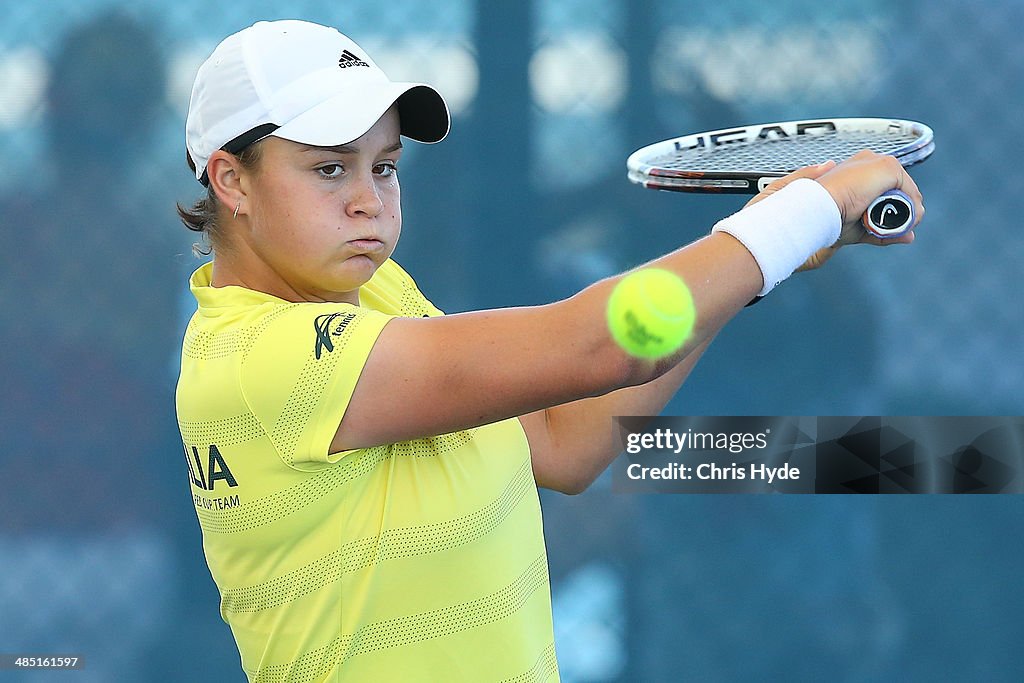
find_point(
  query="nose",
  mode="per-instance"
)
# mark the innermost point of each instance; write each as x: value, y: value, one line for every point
x: 365, y: 198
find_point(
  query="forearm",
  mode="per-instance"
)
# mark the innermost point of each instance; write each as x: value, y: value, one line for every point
x: 573, y: 442
x: 582, y: 435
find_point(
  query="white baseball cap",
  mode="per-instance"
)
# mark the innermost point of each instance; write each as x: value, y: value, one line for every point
x: 302, y: 82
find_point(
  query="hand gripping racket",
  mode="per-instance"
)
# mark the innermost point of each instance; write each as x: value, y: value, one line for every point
x: 745, y: 160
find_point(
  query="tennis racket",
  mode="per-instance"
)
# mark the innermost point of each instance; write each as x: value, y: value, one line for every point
x: 746, y: 159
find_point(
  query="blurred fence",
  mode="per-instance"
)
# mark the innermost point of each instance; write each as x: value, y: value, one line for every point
x: 527, y: 202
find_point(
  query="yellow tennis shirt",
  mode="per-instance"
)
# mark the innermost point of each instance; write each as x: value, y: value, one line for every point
x: 415, y: 561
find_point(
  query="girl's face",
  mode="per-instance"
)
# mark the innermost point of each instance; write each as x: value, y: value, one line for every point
x: 323, y: 219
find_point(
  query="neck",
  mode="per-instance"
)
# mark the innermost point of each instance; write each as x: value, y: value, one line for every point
x: 239, y: 266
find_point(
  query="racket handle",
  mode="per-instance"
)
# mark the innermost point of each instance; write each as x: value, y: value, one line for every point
x: 889, y: 216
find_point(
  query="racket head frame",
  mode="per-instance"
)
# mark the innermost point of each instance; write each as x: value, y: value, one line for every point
x: 643, y: 168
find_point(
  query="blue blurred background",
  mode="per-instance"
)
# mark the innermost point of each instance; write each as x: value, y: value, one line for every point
x: 527, y: 202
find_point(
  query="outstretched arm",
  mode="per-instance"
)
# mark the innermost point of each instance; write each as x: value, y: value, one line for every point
x: 438, y: 375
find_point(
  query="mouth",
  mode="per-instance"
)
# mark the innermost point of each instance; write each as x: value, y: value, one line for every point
x: 365, y: 245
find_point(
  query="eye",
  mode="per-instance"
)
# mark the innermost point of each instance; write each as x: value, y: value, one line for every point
x: 330, y: 170
x: 386, y: 169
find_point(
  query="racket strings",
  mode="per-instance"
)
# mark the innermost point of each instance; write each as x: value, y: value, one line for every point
x: 782, y: 154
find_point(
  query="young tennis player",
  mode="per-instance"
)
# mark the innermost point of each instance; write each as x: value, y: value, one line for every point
x: 364, y: 468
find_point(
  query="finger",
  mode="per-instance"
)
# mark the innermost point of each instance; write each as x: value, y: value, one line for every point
x: 812, y: 172
x: 907, y: 185
x: 906, y: 238
x: 818, y: 259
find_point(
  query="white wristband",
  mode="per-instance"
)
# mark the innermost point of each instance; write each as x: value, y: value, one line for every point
x: 782, y: 230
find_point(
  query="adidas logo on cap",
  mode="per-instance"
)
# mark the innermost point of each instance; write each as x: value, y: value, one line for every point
x: 348, y: 59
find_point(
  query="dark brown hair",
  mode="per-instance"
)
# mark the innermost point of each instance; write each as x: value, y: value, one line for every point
x: 203, y: 216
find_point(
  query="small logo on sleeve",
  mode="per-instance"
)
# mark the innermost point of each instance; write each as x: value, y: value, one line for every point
x: 324, y: 332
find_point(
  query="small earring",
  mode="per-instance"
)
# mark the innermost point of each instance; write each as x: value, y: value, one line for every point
x: 237, y: 207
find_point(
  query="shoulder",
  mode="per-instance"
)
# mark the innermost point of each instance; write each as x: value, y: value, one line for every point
x: 392, y: 290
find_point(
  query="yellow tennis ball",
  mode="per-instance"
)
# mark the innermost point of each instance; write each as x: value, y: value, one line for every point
x: 651, y: 313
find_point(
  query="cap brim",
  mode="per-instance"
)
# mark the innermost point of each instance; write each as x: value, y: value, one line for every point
x: 423, y: 115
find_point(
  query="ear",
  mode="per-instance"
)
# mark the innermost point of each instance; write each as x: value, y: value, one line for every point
x: 225, y: 173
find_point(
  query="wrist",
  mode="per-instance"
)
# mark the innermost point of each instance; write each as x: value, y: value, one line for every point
x: 785, y: 228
